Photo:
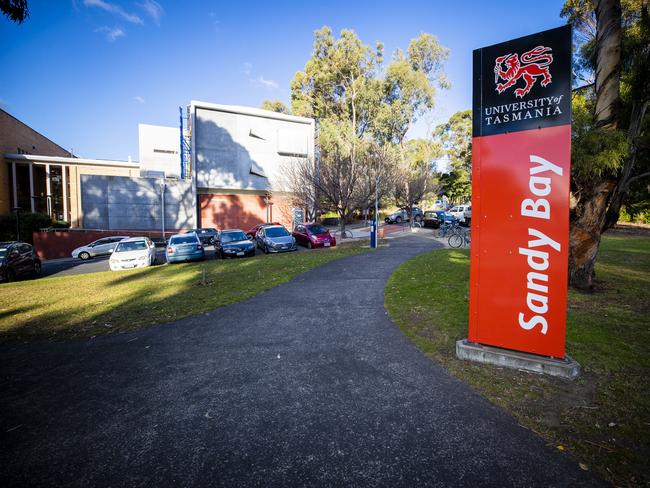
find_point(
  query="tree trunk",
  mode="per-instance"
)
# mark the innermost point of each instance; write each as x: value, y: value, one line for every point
x: 620, y: 192
x: 589, y: 212
x: 342, y: 216
x: 608, y: 62
x: 587, y: 220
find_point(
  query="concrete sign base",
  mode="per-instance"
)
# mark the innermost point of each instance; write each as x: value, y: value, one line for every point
x: 564, y: 368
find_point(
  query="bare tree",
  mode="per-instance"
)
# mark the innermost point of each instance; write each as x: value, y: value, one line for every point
x: 415, y: 177
x: 298, y: 178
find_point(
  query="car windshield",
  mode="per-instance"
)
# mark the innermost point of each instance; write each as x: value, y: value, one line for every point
x: 233, y: 236
x: 317, y: 229
x: 276, y: 232
x: 430, y: 214
x: 204, y: 231
x: 131, y: 246
x: 188, y: 239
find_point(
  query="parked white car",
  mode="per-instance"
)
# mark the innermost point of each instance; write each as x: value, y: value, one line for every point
x: 134, y: 252
x: 100, y: 247
x: 459, y: 211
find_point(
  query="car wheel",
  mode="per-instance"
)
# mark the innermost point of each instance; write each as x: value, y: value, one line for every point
x: 37, y: 268
x: 10, y: 275
x: 418, y: 219
x: 266, y: 249
x: 309, y: 246
x: 398, y: 220
x: 84, y: 256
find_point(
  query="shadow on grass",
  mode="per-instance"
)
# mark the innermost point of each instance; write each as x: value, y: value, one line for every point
x: 103, y: 303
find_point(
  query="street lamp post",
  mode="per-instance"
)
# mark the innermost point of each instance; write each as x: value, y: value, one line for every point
x: 17, y: 211
x: 376, y: 234
x: 162, y: 200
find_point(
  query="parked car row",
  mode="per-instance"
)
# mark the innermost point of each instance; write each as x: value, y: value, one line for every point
x: 136, y: 252
x: 19, y: 259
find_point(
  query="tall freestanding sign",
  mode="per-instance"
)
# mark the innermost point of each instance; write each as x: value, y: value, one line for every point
x: 521, y: 156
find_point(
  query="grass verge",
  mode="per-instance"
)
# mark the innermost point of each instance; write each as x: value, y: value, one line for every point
x: 603, y: 418
x: 101, y: 303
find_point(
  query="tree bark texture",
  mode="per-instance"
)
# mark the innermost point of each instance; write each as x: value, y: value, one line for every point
x: 589, y: 209
x: 608, y: 61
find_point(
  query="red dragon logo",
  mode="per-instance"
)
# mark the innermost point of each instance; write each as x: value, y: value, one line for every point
x: 533, y: 64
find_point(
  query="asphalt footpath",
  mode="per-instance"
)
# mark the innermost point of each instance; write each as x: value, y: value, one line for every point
x: 307, y: 384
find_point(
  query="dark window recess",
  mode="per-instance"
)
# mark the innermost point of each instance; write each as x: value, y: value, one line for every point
x: 256, y: 169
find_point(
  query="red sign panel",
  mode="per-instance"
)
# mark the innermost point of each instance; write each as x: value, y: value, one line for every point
x: 521, y: 165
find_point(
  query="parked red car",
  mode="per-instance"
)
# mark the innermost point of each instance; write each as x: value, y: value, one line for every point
x: 313, y: 235
x: 252, y: 232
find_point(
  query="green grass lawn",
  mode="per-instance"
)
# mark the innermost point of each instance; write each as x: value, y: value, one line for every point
x: 101, y: 303
x: 603, y: 418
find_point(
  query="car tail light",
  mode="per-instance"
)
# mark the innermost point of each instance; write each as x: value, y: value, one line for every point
x: 170, y: 250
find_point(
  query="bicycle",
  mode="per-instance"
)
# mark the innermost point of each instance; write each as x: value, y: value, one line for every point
x: 457, y: 240
x: 447, y: 228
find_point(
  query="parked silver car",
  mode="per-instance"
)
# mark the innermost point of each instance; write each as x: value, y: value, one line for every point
x: 275, y: 238
x: 100, y: 247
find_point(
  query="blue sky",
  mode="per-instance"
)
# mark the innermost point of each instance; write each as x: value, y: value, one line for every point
x: 86, y: 72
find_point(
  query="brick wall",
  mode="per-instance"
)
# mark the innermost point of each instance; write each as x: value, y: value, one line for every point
x: 16, y: 137
x: 242, y: 211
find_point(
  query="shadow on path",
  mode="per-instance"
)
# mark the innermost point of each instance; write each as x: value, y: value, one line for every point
x: 309, y: 383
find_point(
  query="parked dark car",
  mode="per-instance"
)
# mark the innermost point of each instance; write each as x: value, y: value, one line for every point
x: 252, y: 232
x: 402, y: 216
x: 233, y: 243
x: 313, y: 235
x: 18, y: 259
x: 207, y: 235
x: 433, y: 218
x: 275, y: 238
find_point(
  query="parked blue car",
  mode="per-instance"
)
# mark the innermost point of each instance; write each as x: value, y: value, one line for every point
x: 184, y: 248
x: 233, y: 243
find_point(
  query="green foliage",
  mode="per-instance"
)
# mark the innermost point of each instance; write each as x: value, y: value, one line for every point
x: 275, y: 106
x: 363, y: 112
x: 60, y: 224
x: 456, y: 184
x: 595, y: 152
x: 29, y: 223
x: 414, y: 175
x: 15, y: 10
x: 455, y: 139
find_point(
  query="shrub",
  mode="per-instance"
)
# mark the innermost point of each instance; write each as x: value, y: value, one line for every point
x: 29, y: 222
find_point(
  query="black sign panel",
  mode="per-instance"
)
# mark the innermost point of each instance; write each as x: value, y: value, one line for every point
x: 523, y: 84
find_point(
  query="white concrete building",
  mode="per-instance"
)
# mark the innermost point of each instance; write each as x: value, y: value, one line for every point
x: 238, y: 154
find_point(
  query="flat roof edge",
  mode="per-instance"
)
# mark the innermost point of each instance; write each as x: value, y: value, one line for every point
x: 257, y: 112
x: 35, y: 158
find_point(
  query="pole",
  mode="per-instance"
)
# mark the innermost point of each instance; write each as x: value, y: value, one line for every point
x: 376, y: 211
x: 180, y: 109
x: 162, y: 198
x: 17, y: 210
